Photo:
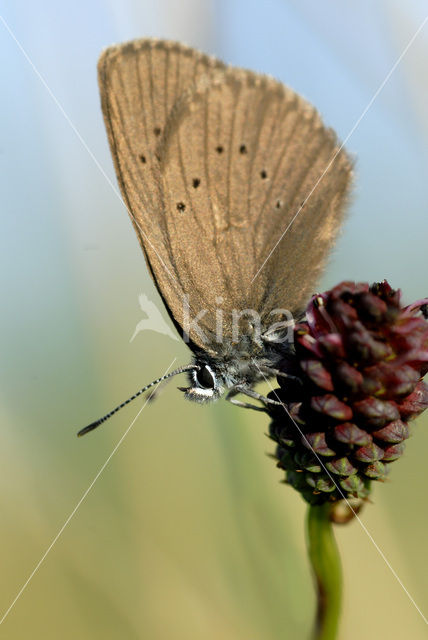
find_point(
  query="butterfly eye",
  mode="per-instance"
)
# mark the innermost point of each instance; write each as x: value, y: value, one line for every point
x: 205, y: 378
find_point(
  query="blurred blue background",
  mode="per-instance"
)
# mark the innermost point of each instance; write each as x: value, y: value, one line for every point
x: 188, y: 532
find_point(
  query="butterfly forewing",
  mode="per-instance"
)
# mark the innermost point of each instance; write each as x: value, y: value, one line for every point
x: 214, y: 164
x: 139, y: 83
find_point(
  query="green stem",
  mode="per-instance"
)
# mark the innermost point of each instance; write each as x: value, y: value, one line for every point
x: 325, y: 561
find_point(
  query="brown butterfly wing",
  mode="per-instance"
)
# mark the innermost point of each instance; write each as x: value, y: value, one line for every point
x: 139, y: 82
x: 240, y: 156
x: 236, y: 155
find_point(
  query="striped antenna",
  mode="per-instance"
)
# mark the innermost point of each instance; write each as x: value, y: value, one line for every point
x: 94, y: 425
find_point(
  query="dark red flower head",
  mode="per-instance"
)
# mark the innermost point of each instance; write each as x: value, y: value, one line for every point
x: 359, y: 361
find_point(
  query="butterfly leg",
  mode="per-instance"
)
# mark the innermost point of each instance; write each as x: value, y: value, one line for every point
x: 270, y: 371
x: 244, y: 405
x: 246, y: 391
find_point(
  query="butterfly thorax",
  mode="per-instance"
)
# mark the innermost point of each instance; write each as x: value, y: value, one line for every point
x: 234, y: 365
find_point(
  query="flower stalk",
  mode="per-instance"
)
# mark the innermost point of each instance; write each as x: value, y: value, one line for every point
x: 326, y: 567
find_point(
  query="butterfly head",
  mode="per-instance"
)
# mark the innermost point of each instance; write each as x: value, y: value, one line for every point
x: 206, y: 384
x: 211, y: 376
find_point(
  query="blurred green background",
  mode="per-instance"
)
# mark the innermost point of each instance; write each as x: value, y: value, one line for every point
x: 188, y: 532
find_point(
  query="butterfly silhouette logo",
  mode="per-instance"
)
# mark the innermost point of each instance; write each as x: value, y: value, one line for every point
x: 153, y: 320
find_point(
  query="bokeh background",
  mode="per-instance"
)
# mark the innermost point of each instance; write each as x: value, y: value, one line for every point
x: 188, y: 532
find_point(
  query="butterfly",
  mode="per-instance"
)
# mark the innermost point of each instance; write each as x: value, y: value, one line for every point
x: 236, y: 191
